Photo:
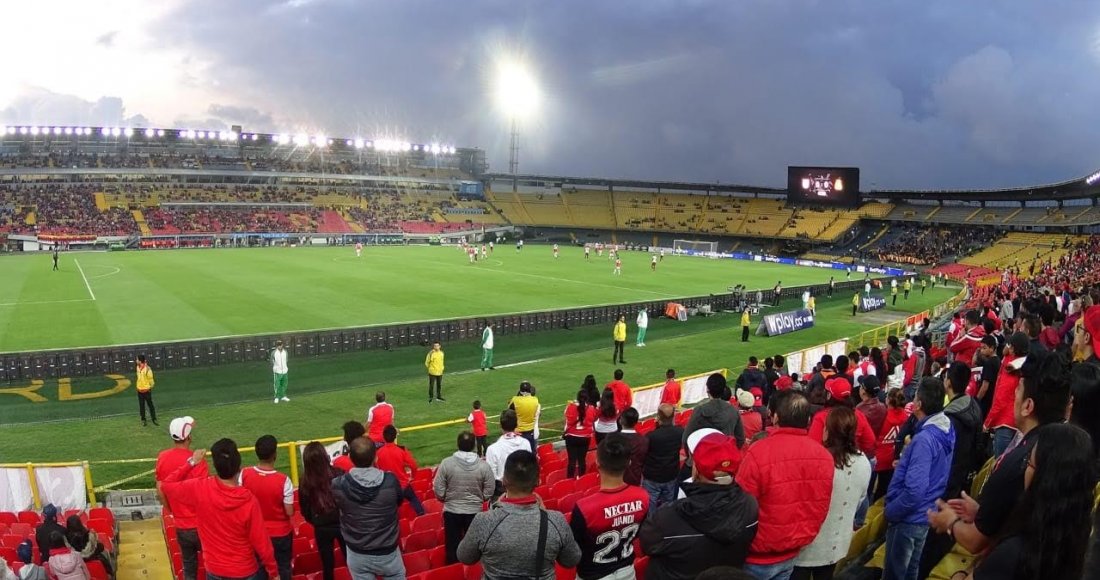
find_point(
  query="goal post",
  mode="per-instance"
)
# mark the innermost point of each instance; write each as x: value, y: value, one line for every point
x: 694, y: 245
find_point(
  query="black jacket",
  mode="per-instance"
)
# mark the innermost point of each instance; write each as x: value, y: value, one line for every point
x: 713, y: 526
x: 752, y: 377
x: 327, y: 520
x: 368, y: 499
x: 42, y: 537
x: 966, y: 418
x: 662, y: 463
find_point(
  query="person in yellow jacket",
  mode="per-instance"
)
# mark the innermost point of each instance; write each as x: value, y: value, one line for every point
x: 745, y: 322
x: 434, y: 363
x: 618, y: 334
x: 855, y: 303
x: 145, y: 384
x: 812, y: 305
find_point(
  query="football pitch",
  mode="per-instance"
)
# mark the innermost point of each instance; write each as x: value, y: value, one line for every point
x: 102, y: 299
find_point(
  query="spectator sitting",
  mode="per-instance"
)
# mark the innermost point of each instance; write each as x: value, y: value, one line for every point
x: 64, y: 563
x: 396, y: 459
x: 509, y: 442
x: 30, y: 570
x: 662, y: 461
x: 463, y: 483
x: 85, y: 541
x: 368, y: 499
x: 352, y: 431
x: 639, y: 446
x: 319, y: 505
x: 44, y: 530
x: 712, y: 525
x: 507, y: 537
x: 275, y: 493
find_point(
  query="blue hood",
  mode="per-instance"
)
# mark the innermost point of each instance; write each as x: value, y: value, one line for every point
x: 921, y: 476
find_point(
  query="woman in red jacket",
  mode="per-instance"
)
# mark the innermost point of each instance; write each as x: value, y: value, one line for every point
x: 579, y: 417
x: 896, y: 416
x: 840, y: 394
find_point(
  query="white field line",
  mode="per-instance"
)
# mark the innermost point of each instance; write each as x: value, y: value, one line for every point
x: 114, y: 270
x: 86, y: 284
x: 44, y: 302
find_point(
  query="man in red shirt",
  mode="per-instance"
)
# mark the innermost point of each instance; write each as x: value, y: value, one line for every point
x: 352, y: 431
x: 968, y: 342
x: 672, y: 393
x: 605, y: 523
x: 378, y: 417
x: 1001, y: 419
x: 275, y: 493
x: 230, y: 523
x: 395, y: 459
x: 624, y: 397
x: 168, y: 461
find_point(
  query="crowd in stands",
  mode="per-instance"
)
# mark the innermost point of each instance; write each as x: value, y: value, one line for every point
x: 63, y: 210
x: 214, y: 219
x: 923, y: 245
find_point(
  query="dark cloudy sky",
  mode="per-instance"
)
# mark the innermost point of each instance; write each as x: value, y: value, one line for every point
x: 919, y: 94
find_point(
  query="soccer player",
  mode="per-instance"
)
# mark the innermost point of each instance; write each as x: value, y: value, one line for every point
x: 604, y: 523
x: 379, y: 417
x: 599, y: 249
x: 555, y: 251
x: 487, y: 347
x: 618, y: 334
x: 434, y: 363
x: 662, y: 255
x: 587, y: 252
x: 653, y: 262
x: 358, y: 249
x: 923, y: 285
x: 145, y: 384
x: 643, y: 324
x: 618, y: 267
x: 490, y: 246
x: 746, y: 321
x: 55, y: 256
x: 483, y: 254
x: 471, y: 253
x: 279, y: 368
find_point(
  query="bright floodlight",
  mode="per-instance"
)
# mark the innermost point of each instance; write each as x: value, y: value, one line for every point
x: 517, y: 94
x: 359, y: 143
x: 56, y: 130
x: 34, y: 130
x: 301, y: 140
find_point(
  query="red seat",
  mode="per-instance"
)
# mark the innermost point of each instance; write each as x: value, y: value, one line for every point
x: 404, y: 528
x: 102, y: 527
x: 452, y: 572
x: 438, y: 556
x: 433, y: 506
x: 640, y: 564
x: 421, y: 541
x: 299, y: 577
x: 11, y: 540
x: 427, y: 522
x: 8, y: 518
x: 31, y: 518
x: 303, y: 545
x: 416, y: 562
x: 8, y: 554
x: 424, y: 474
x: 473, y: 572
x: 564, y: 573
x: 563, y: 488
x: 406, y: 512
x: 555, y: 476
x: 552, y: 465
x: 550, y: 504
x: 341, y: 573
x: 565, y: 504
x: 304, y: 529
x: 96, y: 570
x: 307, y: 563
x: 423, y: 488
x: 21, y: 529
x: 546, y: 449
x: 588, y: 481
x: 543, y: 491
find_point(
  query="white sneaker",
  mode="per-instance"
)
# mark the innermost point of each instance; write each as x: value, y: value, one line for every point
x: 276, y: 400
x: 286, y: 399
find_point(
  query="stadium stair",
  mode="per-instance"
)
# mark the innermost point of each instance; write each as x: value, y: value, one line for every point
x: 143, y: 553
x: 356, y: 227
x: 1012, y: 215
x: 31, y: 219
x: 101, y: 202
x: 878, y: 236
x: 333, y: 223
x: 139, y: 218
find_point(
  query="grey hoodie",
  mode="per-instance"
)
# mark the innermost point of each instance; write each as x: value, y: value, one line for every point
x: 463, y: 482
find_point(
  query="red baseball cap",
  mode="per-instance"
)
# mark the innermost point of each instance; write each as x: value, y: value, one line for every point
x: 711, y: 452
x: 783, y: 383
x: 1092, y: 326
x: 839, y: 388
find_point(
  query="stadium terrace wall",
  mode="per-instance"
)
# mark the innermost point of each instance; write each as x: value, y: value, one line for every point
x: 81, y: 362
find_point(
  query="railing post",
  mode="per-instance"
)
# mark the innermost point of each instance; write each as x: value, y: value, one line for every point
x: 88, y: 484
x: 34, y: 487
x: 293, y: 448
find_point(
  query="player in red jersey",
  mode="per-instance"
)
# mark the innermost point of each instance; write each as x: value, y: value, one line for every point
x: 618, y: 267
x: 358, y: 249
x: 605, y: 523
x: 555, y: 251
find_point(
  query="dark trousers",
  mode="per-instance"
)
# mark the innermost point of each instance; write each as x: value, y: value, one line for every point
x: 530, y: 437
x: 437, y: 382
x: 814, y: 573
x: 283, y: 546
x: 189, y: 552
x: 324, y: 538
x: 882, y: 482
x: 894, y: 301
x: 576, y: 448
x: 854, y: 307
x: 744, y: 334
x: 454, y: 529
x: 144, y: 399
x: 775, y: 299
x: 481, y: 441
x: 410, y: 496
x: 618, y: 353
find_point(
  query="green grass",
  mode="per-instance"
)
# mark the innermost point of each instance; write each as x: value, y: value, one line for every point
x: 177, y: 295
x: 233, y: 401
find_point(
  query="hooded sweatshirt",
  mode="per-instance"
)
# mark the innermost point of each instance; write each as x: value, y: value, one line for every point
x: 921, y: 475
x: 966, y: 419
x: 713, y: 525
x: 504, y: 540
x: 368, y: 499
x: 716, y: 414
x: 230, y: 524
x: 463, y: 482
x: 66, y: 564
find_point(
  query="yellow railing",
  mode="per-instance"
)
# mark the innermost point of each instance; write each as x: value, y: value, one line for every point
x: 32, y: 478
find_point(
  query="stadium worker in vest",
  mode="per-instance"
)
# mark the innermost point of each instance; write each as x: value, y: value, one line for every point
x: 434, y: 363
x: 746, y: 321
x: 145, y: 384
x: 643, y: 324
x: 275, y: 493
x: 487, y: 347
x: 618, y: 334
x: 279, y: 368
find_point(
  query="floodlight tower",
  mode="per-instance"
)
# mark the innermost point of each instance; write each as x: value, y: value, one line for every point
x: 517, y: 96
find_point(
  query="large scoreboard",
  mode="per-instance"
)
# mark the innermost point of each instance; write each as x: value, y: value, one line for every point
x: 835, y: 186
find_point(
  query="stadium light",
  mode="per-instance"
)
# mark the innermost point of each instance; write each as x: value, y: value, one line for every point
x: 301, y: 140
x: 160, y: 133
x: 56, y: 130
x: 1092, y: 178
x: 517, y: 93
x: 320, y: 140
x: 34, y: 130
x: 22, y: 130
x: 359, y: 143
x: 129, y: 132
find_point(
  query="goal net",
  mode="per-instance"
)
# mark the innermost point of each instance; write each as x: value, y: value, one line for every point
x: 694, y: 245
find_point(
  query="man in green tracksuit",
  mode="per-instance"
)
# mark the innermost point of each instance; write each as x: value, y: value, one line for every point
x: 487, y: 347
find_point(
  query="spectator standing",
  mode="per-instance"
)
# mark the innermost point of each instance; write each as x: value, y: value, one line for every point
x: 712, y: 525
x: 398, y: 460
x: 44, y: 530
x: 434, y: 363
x: 508, y: 443
x: 589, y: 386
x: 792, y: 483
x: 825, y: 371
x: 479, y: 426
x: 662, y: 461
x: 275, y: 493
x: 771, y: 375
x: 580, y: 416
x: 463, y: 483
x: 368, y: 499
x: 487, y: 343
x: 279, y: 369
x: 746, y: 322
x: 607, y: 418
x: 964, y: 347
x: 673, y: 390
x: 379, y: 417
x: 851, y: 474
x: 235, y: 543
x: 716, y: 413
x: 611, y: 516
x: 752, y: 378
x: 919, y: 480
x: 840, y: 395
x: 144, y: 386
x: 870, y: 406
x: 168, y: 461
x: 64, y: 563
x: 618, y: 336
x: 989, y: 365
x: 1001, y: 420
x: 516, y: 538
x: 624, y: 396
x: 527, y: 408
x: 639, y: 446
x: 966, y: 421
x: 319, y: 504
x: 352, y: 431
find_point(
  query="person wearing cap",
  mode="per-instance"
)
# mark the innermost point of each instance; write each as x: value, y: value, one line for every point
x: 279, y: 370
x: 30, y: 570
x: 840, y: 395
x: 275, y: 492
x: 144, y: 385
x: 792, y: 482
x: 610, y: 515
x: 169, y: 461
x: 1086, y: 339
x: 48, y: 526
x: 1001, y: 420
x: 662, y: 461
x: 715, y: 522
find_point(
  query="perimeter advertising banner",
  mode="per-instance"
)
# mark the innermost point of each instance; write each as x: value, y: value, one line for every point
x: 787, y: 322
x: 869, y: 303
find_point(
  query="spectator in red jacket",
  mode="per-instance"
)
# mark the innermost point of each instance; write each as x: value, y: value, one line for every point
x: 624, y: 397
x: 396, y: 459
x: 964, y: 347
x: 275, y: 493
x: 751, y: 418
x: 792, y: 483
x: 896, y: 417
x: 230, y: 522
x: 168, y: 461
x: 378, y: 417
x: 352, y: 431
x: 840, y: 395
x: 1001, y: 420
x: 580, y: 416
x: 672, y: 392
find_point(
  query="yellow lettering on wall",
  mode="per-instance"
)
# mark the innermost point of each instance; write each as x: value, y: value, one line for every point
x: 27, y: 391
x: 65, y: 389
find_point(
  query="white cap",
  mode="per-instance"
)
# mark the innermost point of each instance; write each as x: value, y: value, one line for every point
x: 746, y: 399
x: 697, y: 436
x: 180, y: 428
